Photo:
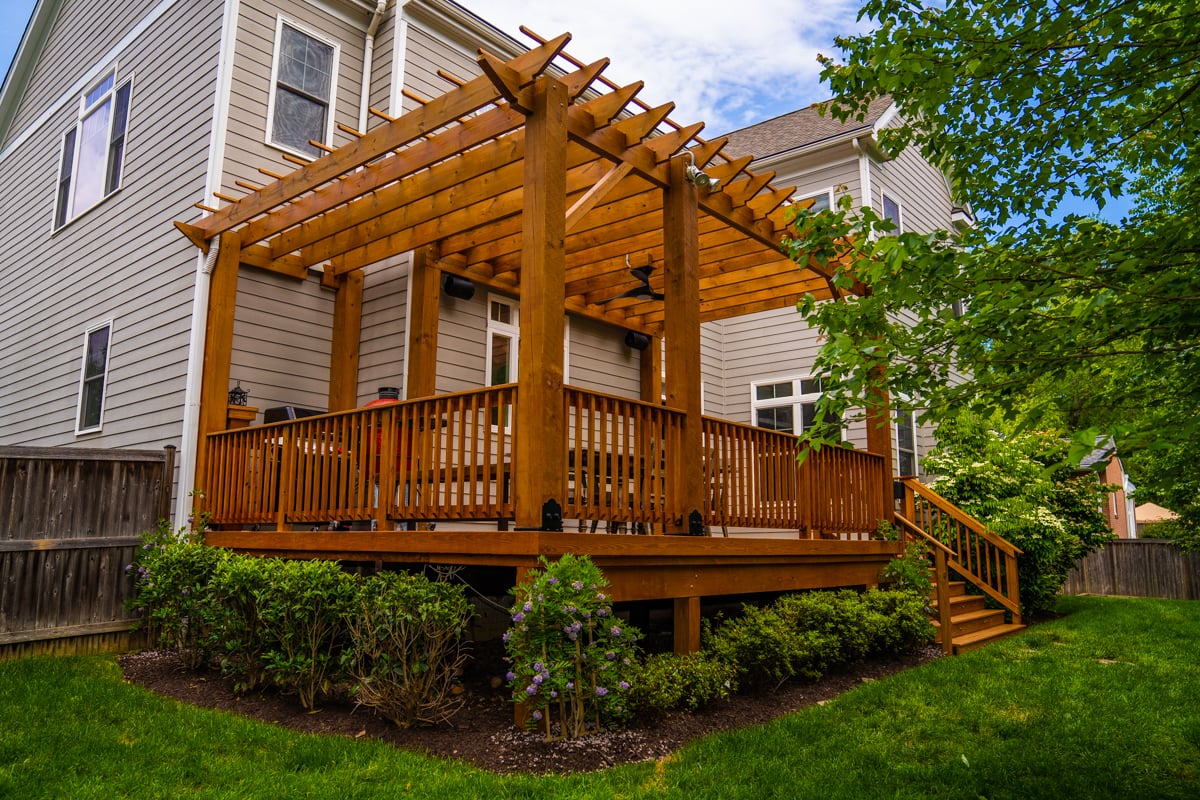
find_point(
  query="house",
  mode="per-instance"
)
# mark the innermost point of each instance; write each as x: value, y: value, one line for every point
x: 308, y: 201
x: 1118, y: 508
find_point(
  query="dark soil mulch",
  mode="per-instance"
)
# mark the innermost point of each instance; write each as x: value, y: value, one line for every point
x: 482, y: 732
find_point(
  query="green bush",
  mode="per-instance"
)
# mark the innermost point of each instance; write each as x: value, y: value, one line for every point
x: 239, y: 586
x: 406, y: 646
x: 172, y: 575
x: 899, y: 621
x: 570, y: 658
x: 910, y: 572
x: 1176, y: 531
x: 669, y: 682
x: 303, y: 615
x: 767, y: 648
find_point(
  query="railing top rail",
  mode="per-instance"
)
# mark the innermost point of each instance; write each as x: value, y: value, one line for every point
x: 975, y: 525
x: 633, y: 401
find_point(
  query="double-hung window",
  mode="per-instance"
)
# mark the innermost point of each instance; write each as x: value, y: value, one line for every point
x: 303, y: 77
x: 892, y: 211
x: 788, y: 406
x: 93, y: 149
x: 906, y: 443
x: 821, y: 201
x: 93, y: 375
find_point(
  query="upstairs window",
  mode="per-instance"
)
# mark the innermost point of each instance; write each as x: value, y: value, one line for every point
x: 93, y: 149
x: 821, y: 201
x: 892, y: 211
x: 788, y: 406
x: 906, y: 444
x: 93, y: 376
x: 303, y: 75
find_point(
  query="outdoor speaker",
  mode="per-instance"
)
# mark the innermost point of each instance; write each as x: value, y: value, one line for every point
x: 462, y: 288
x: 637, y: 341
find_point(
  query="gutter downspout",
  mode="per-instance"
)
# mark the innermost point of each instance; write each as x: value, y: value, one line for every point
x: 864, y: 172
x: 364, y: 98
x: 204, y: 268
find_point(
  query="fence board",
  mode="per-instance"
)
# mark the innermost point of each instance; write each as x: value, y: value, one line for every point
x: 1137, y: 568
x: 70, y: 520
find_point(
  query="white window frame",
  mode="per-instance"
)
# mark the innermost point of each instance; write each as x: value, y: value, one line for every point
x: 83, y: 378
x: 796, y: 400
x: 280, y: 21
x: 511, y: 329
x: 827, y: 193
x: 64, y: 205
x: 885, y: 198
x: 916, y: 445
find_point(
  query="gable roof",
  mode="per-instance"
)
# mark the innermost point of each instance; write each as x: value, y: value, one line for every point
x: 806, y: 126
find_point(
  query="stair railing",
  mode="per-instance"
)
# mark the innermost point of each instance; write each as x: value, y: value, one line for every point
x: 941, y: 574
x: 979, y: 556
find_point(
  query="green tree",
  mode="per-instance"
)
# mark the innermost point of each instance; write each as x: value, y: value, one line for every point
x: 1028, y: 104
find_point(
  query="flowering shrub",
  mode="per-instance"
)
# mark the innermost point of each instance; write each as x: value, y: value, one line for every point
x: 670, y: 682
x: 571, y: 659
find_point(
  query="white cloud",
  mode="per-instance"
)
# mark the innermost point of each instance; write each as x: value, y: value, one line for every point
x: 728, y: 64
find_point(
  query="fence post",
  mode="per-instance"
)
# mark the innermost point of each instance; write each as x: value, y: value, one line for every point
x: 168, y: 480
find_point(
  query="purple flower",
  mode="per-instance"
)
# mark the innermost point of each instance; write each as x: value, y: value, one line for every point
x: 537, y: 715
x: 537, y: 680
x: 527, y: 607
x: 552, y: 581
x: 531, y: 690
x: 553, y: 695
x: 610, y: 655
x: 505, y: 636
x: 128, y: 568
x: 517, y: 617
x: 183, y: 590
x: 601, y: 597
x: 576, y: 585
x: 615, y: 631
x: 571, y: 685
x: 624, y: 685
x: 601, y: 691
x: 538, y: 666
x: 603, y: 612
x: 510, y: 676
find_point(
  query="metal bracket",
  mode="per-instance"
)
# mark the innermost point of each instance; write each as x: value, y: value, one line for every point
x: 695, y: 523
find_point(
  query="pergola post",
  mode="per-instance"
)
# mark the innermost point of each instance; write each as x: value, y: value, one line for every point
x: 344, y: 347
x: 650, y: 371
x: 218, y: 347
x: 423, y: 325
x: 681, y: 327
x: 539, y: 471
x: 879, y: 441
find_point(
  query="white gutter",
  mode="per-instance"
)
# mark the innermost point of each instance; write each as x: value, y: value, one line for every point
x: 364, y: 97
x: 204, y: 268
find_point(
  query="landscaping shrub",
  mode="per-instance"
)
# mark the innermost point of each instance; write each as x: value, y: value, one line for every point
x: 172, y: 577
x: 767, y: 648
x: 303, y: 614
x: 570, y: 658
x: 909, y: 572
x: 406, y: 646
x: 898, y: 621
x: 239, y: 586
x: 670, y: 682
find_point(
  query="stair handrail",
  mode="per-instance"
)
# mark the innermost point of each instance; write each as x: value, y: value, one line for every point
x: 1006, y: 593
x: 941, y: 577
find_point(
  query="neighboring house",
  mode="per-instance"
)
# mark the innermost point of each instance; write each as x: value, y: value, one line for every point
x: 759, y: 367
x: 1118, y: 507
x: 1149, y: 514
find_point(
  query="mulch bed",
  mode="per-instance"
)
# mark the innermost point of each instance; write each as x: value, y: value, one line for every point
x: 482, y: 732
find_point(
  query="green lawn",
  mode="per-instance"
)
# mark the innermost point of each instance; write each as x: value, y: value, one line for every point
x: 1103, y: 703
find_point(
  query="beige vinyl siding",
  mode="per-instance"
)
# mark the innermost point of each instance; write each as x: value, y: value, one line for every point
x: 426, y: 53
x: 246, y: 149
x: 712, y: 368
x: 462, y: 343
x: 837, y: 170
x: 122, y: 260
x: 381, y: 66
x: 384, y: 329
x: 919, y: 186
x: 80, y: 36
x: 601, y: 362
x: 761, y: 347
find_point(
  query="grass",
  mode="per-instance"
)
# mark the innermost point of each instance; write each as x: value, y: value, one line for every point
x: 1103, y: 703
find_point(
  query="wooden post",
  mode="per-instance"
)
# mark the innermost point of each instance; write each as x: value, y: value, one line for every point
x: 687, y: 625
x: 945, y: 622
x: 879, y: 441
x: 423, y: 325
x: 681, y: 325
x: 651, y: 371
x: 540, y: 471
x: 344, y: 349
x: 218, y: 349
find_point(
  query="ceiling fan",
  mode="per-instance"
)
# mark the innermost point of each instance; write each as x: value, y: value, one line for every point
x: 643, y: 291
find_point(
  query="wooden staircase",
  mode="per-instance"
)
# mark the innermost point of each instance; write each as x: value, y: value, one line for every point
x: 960, y: 545
x: 972, y: 625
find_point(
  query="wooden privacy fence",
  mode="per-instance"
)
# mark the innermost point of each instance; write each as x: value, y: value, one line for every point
x: 1137, y: 568
x: 70, y: 521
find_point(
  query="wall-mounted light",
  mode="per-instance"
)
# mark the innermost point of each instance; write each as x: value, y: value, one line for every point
x: 238, y: 396
x: 636, y: 341
x: 455, y: 286
x: 701, y: 180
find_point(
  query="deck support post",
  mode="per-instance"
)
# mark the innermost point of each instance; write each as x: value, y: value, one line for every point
x: 651, y: 371
x: 218, y: 350
x: 687, y: 625
x: 344, y: 347
x: 879, y: 441
x: 423, y: 325
x: 540, y: 468
x: 681, y: 326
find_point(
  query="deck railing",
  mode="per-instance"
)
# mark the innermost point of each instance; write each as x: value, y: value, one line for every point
x: 444, y: 457
x: 619, y: 453
x: 450, y: 457
x: 979, y: 556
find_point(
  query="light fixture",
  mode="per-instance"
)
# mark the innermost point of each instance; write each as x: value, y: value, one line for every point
x: 636, y: 341
x: 698, y: 178
x: 462, y: 288
x: 238, y: 396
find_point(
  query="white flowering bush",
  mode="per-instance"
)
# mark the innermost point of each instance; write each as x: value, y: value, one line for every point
x: 570, y: 658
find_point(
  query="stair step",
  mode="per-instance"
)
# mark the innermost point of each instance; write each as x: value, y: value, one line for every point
x: 977, y: 639
x: 971, y: 621
x: 963, y: 604
x: 954, y: 589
